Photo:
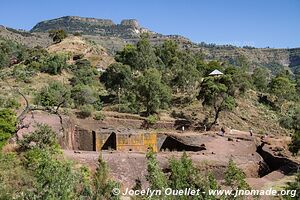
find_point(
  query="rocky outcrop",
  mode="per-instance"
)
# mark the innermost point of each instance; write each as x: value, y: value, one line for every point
x: 130, y: 22
x: 128, y: 28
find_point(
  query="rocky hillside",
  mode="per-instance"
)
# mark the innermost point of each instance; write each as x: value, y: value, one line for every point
x: 25, y: 38
x: 78, y: 47
x: 128, y: 28
x: 274, y: 59
x: 113, y: 37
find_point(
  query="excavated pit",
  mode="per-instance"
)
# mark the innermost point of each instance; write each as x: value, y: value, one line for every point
x: 273, y: 163
x: 173, y: 144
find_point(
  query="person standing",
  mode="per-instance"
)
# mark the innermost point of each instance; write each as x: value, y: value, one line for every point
x: 251, y: 132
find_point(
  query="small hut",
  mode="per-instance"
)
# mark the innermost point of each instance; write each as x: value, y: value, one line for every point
x: 215, y: 73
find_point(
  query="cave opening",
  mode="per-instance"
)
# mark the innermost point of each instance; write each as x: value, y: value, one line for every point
x: 273, y: 163
x: 110, y: 143
x: 172, y: 144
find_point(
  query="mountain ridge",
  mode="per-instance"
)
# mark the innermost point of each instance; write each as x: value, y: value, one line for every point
x: 114, y: 36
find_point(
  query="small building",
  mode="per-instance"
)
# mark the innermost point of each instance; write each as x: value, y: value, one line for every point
x: 215, y: 73
x: 127, y: 140
x: 115, y: 139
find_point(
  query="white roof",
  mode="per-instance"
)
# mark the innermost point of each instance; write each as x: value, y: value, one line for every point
x: 215, y: 72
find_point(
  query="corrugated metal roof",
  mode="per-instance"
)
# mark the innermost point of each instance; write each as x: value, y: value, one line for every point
x: 215, y: 72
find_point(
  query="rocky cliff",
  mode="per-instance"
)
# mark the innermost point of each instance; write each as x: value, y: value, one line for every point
x: 128, y: 28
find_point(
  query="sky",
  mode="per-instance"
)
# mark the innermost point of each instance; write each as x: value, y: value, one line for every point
x: 259, y: 23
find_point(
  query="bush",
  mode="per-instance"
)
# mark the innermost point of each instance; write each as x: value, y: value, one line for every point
x: 11, y: 53
x: 57, y: 35
x: 23, y: 73
x: 43, y: 138
x: 84, y: 74
x: 294, y: 146
x: 55, y: 178
x: 54, y: 64
x: 102, y: 186
x: 99, y: 116
x: 7, y: 125
x: 83, y: 94
x: 12, y: 103
x: 55, y: 94
x: 294, y: 186
x: 86, y: 111
x: 15, y: 178
x: 151, y: 119
x: 235, y: 177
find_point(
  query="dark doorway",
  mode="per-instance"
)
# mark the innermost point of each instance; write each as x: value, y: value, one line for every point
x: 111, y: 142
x: 173, y: 144
x: 94, y: 141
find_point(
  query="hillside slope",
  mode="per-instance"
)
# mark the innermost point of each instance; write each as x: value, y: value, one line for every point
x: 113, y: 37
x: 77, y: 46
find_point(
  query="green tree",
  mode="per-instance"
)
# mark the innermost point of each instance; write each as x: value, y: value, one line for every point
x: 127, y: 56
x: 145, y: 57
x: 185, y: 175
x: 55, y: 94
x: 11, y: 53
x: 152, y: 93
x: 54, y: 64
x: 297, y: 77
x: 139, y: 57
x: 294, y: 146
x: 260, y: 78
x: 55, y: 177
x: 102, y: 185
x: 84, y: 74
x: 292, y: 121
x: 212, y: 65
x: 8, y: 123
x: 235, y: 177
x: 84, y: 94
x: 58, y: 35
x: 240, y: 78
x: 282, y: 87
x: 117, y: 76
x: 185, y: 73
x: 43, y: 138
x: 156, y: 177
x: 168, y: 53
x: 216, y: 92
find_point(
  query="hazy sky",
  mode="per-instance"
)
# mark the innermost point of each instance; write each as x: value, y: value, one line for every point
x: 260, y: 23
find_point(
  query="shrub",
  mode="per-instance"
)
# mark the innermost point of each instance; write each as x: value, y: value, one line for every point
x: 102, y: 186
x: 12, y: 103
x: 55, y: 178
x: 15, y: 178
x: 294, y: 186
x: 99, y: 116
x: 86, y: 111
x: 83, y: 94
x: 57, y: 35
x: 43, y: 138
x: 151, y: 119
x: 55, y: 94
x: 235, y: 177
x: 54, y: 64
x: 294, y: 146
x: 7, y: 125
